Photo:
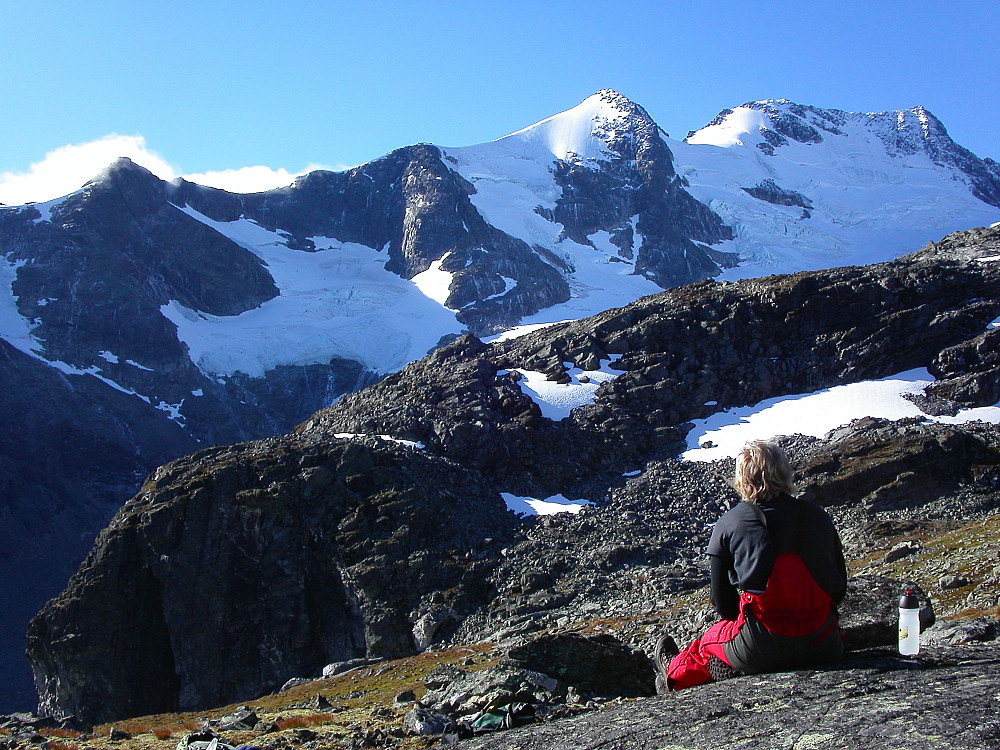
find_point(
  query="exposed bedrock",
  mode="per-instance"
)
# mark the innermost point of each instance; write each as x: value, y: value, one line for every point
x: 687, y: 353
x: 238, y: 568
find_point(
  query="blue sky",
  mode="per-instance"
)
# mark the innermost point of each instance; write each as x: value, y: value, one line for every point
x: 214, y: 86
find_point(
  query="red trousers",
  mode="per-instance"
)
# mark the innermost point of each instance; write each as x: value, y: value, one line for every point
x: 792, y: 623
x: 690, y: 666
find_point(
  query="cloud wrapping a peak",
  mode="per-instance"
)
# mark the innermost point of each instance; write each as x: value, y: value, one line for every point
x: 66, y: 169
x: 247, y: 179
x: 69, y: 167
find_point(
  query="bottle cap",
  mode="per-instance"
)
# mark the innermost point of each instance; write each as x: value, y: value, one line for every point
x: 909, y: 600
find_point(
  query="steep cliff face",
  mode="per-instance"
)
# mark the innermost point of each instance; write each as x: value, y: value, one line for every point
x: 70, y: 450
x: 238, y: 568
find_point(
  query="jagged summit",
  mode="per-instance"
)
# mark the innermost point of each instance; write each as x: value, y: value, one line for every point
x: 599, y: 192
x: 602, y: 126
x: 120, y: 169
x: 912, y: 136
x: 772, y: 123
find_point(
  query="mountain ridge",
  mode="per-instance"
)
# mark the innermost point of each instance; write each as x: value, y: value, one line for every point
x: 904, y: 132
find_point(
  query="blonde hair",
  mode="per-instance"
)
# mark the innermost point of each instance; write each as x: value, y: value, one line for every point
x: 762, y: 472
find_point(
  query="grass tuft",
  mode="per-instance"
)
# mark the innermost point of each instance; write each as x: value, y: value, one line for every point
x: 304, y: 720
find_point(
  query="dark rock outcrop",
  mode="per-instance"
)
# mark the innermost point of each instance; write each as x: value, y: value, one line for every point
x: 883, y: 466
x: 237, y: 568
x: 71, y: 449
x: 684, y: 354
x: 770, y: 191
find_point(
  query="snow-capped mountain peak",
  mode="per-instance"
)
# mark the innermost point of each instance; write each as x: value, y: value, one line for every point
x: 771, y: 124
x: 600, y: 127
x: 843, y: 187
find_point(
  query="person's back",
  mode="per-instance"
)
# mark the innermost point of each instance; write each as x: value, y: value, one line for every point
x: 778, y: 572
x: 789, y: 567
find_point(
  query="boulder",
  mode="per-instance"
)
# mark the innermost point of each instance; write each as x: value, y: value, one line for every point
x: 426, y: 722
x: 243, y: 718
x: 472, y: 692
x: 596, y: 664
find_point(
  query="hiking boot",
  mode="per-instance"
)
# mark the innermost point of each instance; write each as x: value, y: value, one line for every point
x: 666, y: 649
x: 719, y: 670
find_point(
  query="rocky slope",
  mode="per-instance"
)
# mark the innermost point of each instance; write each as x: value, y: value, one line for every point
x: 684, y: 355
x: 211, y: 577
x: 409, y: 702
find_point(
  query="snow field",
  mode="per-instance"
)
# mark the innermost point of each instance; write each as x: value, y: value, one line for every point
x: 336, y: 302
x: 723, y: 434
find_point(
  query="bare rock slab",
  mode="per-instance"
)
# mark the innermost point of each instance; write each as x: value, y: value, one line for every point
x: 946, y: 698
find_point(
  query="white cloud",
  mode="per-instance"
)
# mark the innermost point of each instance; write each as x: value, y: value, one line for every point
x: 68, y: 168
x: 249, y: 179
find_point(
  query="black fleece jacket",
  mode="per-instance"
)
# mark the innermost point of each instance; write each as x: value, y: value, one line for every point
x: 743, y: 549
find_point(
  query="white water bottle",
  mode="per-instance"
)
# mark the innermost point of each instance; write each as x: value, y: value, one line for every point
x: 909, y: 624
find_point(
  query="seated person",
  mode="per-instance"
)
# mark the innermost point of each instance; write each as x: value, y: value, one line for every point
x: 778, y: 573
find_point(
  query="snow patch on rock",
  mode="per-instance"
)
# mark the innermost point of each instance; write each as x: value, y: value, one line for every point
x: 723, y: 434
x: 530, y: 506
x: 557, y: 400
